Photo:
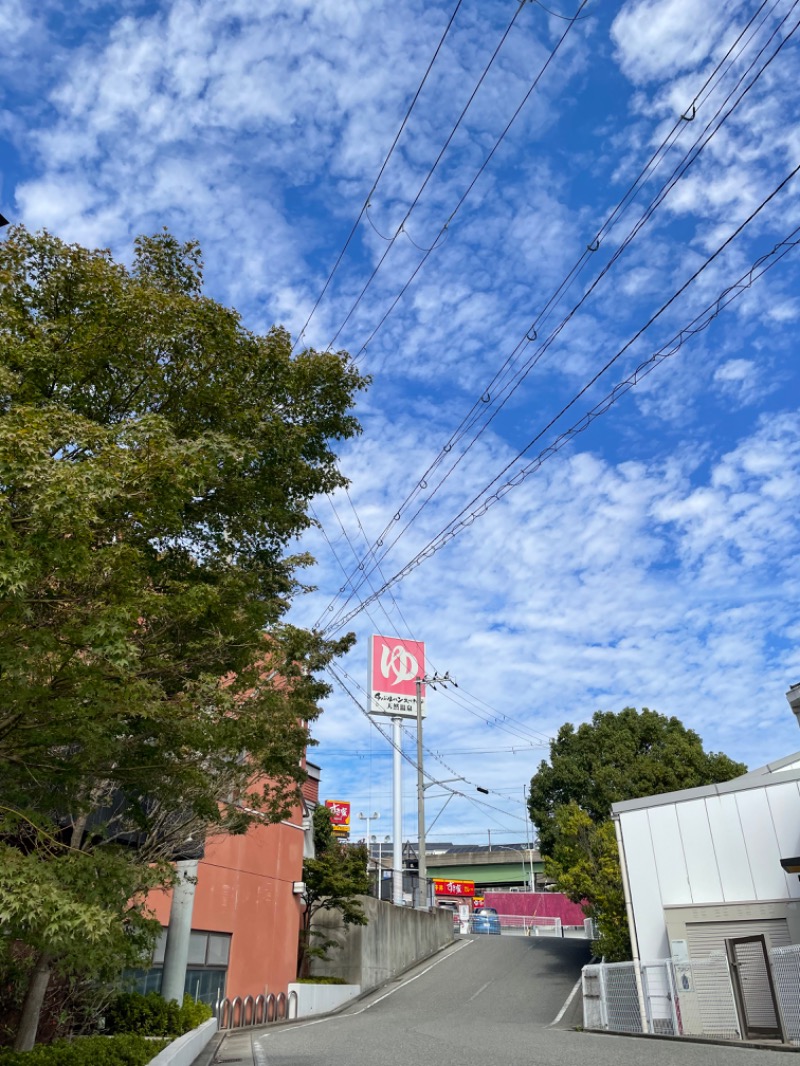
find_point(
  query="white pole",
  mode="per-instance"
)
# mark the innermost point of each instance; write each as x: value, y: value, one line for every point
x: 397, y: 828
x: 422, y: 866
x: 529, y: 833
x: 179, y: 931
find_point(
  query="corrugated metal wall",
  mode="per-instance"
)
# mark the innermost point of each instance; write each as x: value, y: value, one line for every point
x: 710, y: 850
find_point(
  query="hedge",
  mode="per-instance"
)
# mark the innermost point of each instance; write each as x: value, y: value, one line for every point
x: 151, y: 1015
x: 126, y: 1050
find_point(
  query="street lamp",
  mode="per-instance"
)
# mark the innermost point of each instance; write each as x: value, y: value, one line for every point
x: 377, y: 840
x: 521, y: 853
x: 369, y: 818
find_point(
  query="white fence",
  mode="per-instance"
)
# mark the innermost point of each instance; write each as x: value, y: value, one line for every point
x: 528, y: 925
x: 514, y: 925
x: 693, y: 997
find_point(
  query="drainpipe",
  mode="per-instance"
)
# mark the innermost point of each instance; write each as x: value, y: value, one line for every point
x: 637, y: 968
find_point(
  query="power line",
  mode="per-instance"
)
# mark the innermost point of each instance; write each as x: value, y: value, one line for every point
x: 447, y: 787
x: 429, y: 174
x: 700, y: 322
x: 383, y: 166
x: 554, y: 51
x: 480, y: 406
x: 359, y: 753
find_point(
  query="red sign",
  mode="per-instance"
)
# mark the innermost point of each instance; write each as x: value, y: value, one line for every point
x: 340, y: 814
x: 394, y: 666
x: 453, y: 888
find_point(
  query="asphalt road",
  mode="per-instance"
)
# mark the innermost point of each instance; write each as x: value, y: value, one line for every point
x: 487, y: 1001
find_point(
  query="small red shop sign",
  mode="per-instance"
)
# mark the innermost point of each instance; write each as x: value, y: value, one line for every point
x: 453, y: 888
x: 340, y: 815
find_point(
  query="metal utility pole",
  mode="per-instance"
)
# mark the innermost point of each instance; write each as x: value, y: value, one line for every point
x: 397, y: 810
x: 529, y: 834
x: 422, y: 864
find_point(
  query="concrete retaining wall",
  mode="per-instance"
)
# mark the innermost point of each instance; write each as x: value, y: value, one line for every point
x: 184, y: 1050
x: 393, y: 939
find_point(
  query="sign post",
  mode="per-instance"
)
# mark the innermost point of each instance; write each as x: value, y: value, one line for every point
x: 394, y: 666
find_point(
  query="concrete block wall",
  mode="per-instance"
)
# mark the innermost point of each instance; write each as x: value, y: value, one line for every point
x: 393, y: 939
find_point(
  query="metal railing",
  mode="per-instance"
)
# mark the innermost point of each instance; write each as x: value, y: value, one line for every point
x: 785, y: 964
x: 515, y: 925
x: 242, y: 1011
x: 688, y: 997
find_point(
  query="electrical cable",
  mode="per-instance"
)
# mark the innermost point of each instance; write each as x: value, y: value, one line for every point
x: 428, y: 176
x: 697, y: 324
x: 482, y: 803
x: 444, y: 229
x: 677, y: 172
x: 628, y: 197
x: 383, y: 166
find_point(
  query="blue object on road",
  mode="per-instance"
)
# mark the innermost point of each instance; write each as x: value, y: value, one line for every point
x: 485, y: 920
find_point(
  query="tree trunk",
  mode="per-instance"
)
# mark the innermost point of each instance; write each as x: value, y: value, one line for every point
x: 32, y: 1007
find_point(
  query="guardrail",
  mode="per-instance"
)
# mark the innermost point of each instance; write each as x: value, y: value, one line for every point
x: 241, y: 1012
x: 516, y: 925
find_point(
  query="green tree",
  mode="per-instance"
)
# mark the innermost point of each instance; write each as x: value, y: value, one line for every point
x: 334, y: 879
x: 615, y: 757
x: 157, y: 460
x: 585, y: 865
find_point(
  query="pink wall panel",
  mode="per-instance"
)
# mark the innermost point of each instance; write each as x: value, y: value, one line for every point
x: 536, y: 904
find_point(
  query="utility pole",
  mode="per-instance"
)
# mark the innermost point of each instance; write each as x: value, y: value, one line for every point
x: 397, y: 812
x: 422, y: 864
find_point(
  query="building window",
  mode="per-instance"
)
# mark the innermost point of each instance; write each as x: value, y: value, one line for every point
x: 206, y: 971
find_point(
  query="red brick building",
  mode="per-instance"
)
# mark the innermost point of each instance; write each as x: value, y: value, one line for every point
x: 245, y: 916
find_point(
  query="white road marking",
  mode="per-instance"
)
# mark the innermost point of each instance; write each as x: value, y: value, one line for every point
x: 570, y: 998
x: 481, y: 989
x: 352, y: 1014
x: 391, y: 992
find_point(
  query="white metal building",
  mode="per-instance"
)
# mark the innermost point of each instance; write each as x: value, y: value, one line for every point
x: 704, y: 865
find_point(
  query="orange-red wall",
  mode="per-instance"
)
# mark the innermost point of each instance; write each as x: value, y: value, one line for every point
x: 244, y: 887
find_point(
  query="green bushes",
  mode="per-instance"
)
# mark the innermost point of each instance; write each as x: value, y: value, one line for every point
x: 127, y: 1050
x: 322, y: 981
x: 151, y: 1015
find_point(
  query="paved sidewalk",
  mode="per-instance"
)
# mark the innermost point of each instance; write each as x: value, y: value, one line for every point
x: 231, y: 1046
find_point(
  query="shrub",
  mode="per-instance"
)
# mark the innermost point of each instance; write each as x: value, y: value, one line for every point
x: 151, y: 1015
x: 127, y: 1050
x: 322, y: 981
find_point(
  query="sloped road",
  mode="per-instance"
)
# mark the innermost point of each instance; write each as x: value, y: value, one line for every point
x: 487, y: 1001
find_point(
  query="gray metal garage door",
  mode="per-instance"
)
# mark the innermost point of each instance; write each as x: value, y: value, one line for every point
x: 708, y: 938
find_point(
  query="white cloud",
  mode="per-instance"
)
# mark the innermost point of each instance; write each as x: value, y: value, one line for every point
x: 739, y: 380
x: 655, y: 38
x: 653, y: 560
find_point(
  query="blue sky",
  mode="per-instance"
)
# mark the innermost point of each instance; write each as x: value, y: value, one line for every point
x: 650, y: 559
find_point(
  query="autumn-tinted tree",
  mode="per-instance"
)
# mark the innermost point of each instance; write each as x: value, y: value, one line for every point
x: 157, y: 460
x: 614, y: 757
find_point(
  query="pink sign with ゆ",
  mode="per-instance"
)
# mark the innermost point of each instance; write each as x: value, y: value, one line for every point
x: 395, y: 665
